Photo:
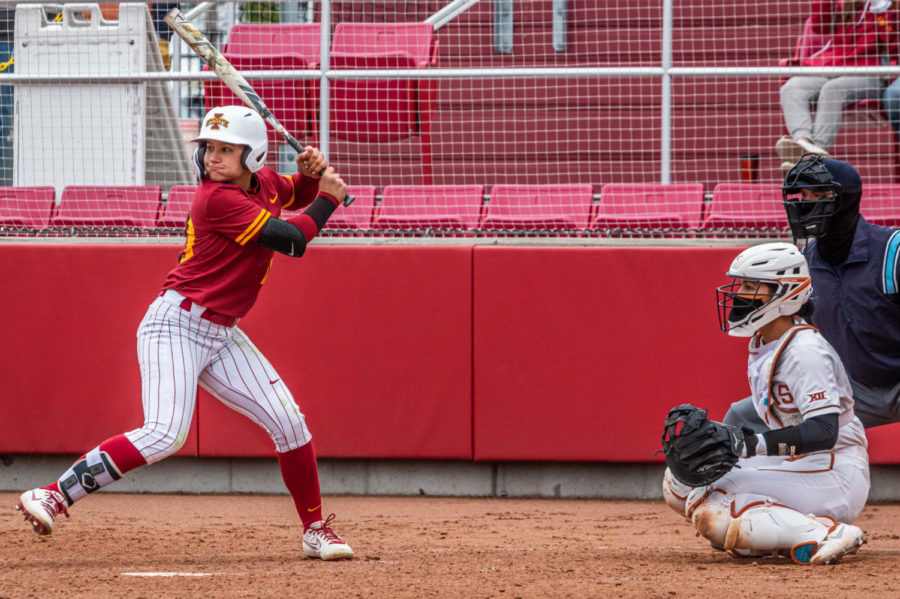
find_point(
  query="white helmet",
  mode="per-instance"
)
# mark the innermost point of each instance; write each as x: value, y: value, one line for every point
x: 234, y: 125
x: 782, y: 267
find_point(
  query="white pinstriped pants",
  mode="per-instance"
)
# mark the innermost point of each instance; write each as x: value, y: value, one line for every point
x: 177, y: 350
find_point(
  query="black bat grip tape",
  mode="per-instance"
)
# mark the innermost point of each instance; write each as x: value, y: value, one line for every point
x: 347, y: 199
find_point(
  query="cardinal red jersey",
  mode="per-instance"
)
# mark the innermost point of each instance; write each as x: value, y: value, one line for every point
x: 223, y: 266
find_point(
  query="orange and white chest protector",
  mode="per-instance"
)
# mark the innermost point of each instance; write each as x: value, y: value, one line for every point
x: 800, y: 376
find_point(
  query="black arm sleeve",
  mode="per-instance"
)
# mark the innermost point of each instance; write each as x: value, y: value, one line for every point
x: 320, y: 210
x: 283, y: 237
x: 816, y: 434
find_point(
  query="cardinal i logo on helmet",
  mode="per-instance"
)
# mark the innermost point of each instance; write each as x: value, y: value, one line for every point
x: 217, y: 121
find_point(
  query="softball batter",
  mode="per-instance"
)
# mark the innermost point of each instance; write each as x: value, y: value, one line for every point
x: 801, y: 484
x: 189, y: 335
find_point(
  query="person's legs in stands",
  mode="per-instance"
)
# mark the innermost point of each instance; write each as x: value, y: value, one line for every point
x: 798, y: 94
x: 836, y: 95
x: 891, y: 101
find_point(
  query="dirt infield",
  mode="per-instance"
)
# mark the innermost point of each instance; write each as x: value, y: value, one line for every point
x: 153, y: 546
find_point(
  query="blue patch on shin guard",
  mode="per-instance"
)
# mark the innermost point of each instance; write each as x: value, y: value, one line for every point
x: 803, y: 553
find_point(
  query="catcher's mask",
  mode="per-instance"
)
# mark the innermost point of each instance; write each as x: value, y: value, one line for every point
x: 839, y: 183
x: 782, y: 268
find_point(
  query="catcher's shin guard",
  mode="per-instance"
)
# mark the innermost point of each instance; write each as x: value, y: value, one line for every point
x: 681, y: 497
x: 694, y: 500
x: 763, y: 528
x: 675, y: 492
x: 712, y: 521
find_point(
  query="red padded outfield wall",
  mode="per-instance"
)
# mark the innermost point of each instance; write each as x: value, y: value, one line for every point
x: 441, y: 352
x: 376, y: 346
x: 68, y: 358
x: 580, y: 352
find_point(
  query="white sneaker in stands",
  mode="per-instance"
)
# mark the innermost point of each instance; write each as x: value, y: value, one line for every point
x: 788, y: 149
x: 813, y: 148
x: 791, y: 150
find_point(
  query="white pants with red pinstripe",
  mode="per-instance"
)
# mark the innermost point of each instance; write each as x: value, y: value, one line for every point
x: 177, y: 350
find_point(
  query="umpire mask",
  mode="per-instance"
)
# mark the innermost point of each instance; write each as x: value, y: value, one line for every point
x: 809, y: 218
x: 832, y: 220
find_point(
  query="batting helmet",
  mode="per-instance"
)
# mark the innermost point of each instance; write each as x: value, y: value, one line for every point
x: 779, y: 265
x: 234, y: 125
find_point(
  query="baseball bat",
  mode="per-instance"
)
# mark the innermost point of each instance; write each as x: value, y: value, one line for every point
x: 229, y: 76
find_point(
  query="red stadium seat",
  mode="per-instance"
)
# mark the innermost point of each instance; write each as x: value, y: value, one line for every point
x: 27, y: 208
x: 260, y: 47
x: 676, y: 206
x: 357, y: 215
x: 174, y: 213
x: 880, y: 204
x: 266, y: 40
x: 538, y: 207
x: 746, y: 206
x: 381, y: 111
x: 455, y: 207
x: 112, y: 206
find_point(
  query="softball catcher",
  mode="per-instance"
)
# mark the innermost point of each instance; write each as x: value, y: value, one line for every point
x: 795, y: 489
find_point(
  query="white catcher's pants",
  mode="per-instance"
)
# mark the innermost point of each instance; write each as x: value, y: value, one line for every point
x: 176, y: 351
x: 828, y: 484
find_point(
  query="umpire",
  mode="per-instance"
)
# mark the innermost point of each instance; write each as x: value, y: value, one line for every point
x: 855, y: 270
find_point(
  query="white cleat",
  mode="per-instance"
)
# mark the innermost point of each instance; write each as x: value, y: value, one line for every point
x: 320, y: 541
x: 41, y: 507
x: 843, y: 540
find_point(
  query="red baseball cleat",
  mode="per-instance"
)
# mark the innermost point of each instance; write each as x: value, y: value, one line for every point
x: 41, y: 507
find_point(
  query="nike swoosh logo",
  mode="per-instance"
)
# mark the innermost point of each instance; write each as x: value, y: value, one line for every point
x: 312, y: 509
x: 273, y: 382
x: 274, y: 197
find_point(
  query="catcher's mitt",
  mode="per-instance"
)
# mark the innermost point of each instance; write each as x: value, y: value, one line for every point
x: 699, y: 450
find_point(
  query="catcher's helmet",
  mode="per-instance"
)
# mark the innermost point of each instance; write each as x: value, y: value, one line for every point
x: 234, y: 125
x: 840, y: 183
x: 779, y: 265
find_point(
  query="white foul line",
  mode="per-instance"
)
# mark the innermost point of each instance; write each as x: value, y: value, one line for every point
x: 168, y: 574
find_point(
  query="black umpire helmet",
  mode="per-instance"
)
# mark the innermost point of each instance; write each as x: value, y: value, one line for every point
x: 842, y: 187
